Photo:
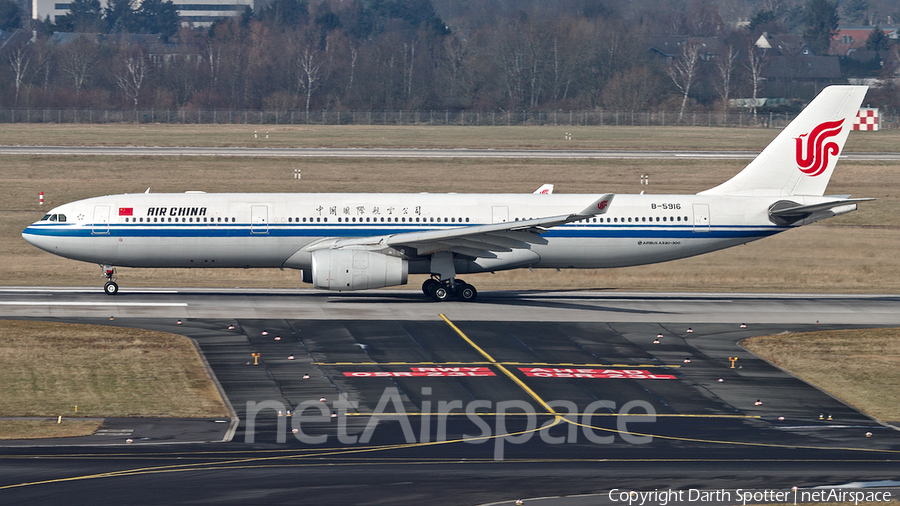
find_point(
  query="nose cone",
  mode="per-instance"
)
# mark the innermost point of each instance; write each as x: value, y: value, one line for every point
x: 37, y: 236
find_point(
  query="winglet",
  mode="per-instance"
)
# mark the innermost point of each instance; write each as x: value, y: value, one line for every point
x: 599, y: 206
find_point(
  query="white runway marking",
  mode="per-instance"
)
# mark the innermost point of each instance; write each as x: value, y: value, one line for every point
x: 117, y: 304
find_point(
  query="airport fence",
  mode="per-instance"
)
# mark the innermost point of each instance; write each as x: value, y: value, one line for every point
x: 738, y: 118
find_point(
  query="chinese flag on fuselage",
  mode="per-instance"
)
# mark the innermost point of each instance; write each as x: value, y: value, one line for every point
x: 126, y: 211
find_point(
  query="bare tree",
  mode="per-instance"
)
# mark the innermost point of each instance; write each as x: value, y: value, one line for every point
x: 409, y: 59
x: 525, y: 58
x: 311, y: 63
x: 42, y: 70
x: 18, y: 59
x: 131, y: 73
x: 725, y: 66
x: 683, y: 71
x: 79, y: 61
x: 213, y: 55
x: 756, y: 60
x: 456, y: 70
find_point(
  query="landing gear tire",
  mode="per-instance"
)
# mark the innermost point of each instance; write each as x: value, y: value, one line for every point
x: 440, y: 293
x: 111, y: 288
x: 429, y: 285
x: 466, y: 293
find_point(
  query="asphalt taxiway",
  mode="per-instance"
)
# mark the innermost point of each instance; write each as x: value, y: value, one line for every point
x: 398, y: 400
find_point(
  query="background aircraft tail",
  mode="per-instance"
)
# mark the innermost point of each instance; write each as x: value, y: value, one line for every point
x: 801, y: 159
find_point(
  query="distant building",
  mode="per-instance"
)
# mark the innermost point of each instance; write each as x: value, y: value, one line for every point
x: 784, y: 44
x: 851, y: 38
x: 819, y: 70
x: 670, y: 46
x: 161, y: 54
x: 192, y: 12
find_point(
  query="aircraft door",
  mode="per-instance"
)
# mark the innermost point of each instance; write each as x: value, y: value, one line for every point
x: 259, y: 219
x: 500, y: 214
x: 100, y: 224
x: 701, y: 217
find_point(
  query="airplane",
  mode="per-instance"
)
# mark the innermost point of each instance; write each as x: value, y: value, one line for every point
x: 360, y: 241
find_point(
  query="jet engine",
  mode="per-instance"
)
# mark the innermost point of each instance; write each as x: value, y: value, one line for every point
x: 356, y: 269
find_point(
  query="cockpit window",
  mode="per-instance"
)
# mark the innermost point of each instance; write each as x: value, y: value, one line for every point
x: 62, y: 217
x: 46, y: 218
x: 53, y: 218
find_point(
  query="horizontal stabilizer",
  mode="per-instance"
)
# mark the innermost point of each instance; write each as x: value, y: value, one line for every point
x: 785, y: 212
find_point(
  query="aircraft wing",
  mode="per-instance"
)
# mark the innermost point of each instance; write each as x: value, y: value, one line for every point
x: 480, y: 241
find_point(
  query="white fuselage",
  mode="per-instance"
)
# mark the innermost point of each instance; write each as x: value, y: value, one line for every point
x: 268, y: 230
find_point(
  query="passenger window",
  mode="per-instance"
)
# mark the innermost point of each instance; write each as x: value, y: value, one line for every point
x: 664, y: 218
x: 467, y: 220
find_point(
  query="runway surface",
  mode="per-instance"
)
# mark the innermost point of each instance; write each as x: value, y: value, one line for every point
x: 473, y: 384
x: 405, y: 153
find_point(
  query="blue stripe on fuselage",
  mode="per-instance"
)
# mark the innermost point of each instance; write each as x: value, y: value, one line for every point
x: 336, y: 230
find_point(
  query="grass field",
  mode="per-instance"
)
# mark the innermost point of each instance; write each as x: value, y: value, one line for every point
x: 37, y: 429
x: 485, y: 137
x: 47, y: 369
x: 858, y: 366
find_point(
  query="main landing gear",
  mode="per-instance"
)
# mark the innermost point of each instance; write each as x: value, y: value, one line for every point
x: 441, y: 290
x: 111, y: 288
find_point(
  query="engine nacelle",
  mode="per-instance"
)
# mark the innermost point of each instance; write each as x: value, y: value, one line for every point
x: 349, y: 269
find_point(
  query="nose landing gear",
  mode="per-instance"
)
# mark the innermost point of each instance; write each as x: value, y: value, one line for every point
x: 111, y: 288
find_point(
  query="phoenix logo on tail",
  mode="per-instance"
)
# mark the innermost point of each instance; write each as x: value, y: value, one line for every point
x: 817, y: 150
